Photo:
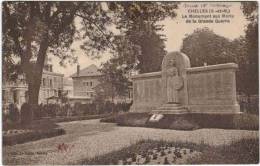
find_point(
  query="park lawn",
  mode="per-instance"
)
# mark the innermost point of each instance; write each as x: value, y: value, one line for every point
x: 39, y: 129
x: 245, y: 151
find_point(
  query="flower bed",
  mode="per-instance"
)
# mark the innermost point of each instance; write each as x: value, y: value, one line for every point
x: 12, y: 137
x: 245, y: 151
x: 187, y: 121
x: 148, y: 152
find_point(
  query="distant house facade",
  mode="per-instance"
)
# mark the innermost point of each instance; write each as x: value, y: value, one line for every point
x: 17, y: 91
x: 68, y: 87
x: 14, y: 91
x: 51, y: 85
x: 84, y: 82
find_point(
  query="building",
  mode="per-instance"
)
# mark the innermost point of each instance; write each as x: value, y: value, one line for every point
x: 14, y: 92
x: 68, y: 87
x: 51, y: 85
x: 84, y: 82
x: 17, y: 91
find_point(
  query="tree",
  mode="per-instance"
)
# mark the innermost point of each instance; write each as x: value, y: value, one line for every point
x: 114, y: 81
x: 251, y: 78
x: 31, y: 30
x: 140, y: 42
x: 203, y: 45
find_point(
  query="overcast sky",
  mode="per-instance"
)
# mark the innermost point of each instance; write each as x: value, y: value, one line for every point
x: 175, y: 30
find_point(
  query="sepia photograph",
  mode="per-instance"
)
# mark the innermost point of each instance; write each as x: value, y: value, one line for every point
x: 130, y: 82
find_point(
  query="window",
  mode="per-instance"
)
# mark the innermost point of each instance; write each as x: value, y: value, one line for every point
x: 43, y: 82
x: 4, y: 96
x: 15, y: 97
x: 50, y: 82
x: 54, y: 81
x: 90, y: 83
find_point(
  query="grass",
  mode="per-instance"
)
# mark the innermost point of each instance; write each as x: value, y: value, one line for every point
x: 188, y: 121
x: 76, y: 118
x: 245, y: 151
x: 38, y: 129
x: 50, y: 122
x: 141, y: 147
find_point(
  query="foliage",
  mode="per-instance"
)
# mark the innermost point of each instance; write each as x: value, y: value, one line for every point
x: 14, y: 115
x: 250, y: 10
x: 26, y: 114
x: 143, y: 147
x: 251, y: 107
x: 244, y: 151
x: 139, y: 45
x: 114, y: 82
x: 31, y: 136
x: 80, y: 110
x: 188, y: 121
x: 31, y: 30
x: 204, y: 46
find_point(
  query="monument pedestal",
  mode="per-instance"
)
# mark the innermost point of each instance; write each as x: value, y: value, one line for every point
x: 170, y: 108
x: 206, y: 89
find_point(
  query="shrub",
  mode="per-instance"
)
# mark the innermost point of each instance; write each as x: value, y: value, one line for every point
x: 110, y: 119
x: 38, y: 112
x: 14, y: 115
x: 133, y: 119
x: 109, y: 106
x: 249, y: 104
x: 244, y: 151
x: 63, y: 110
x: 26, y: 114
x: 51, y: 109
x: 31, y: 136
x: 246, y: 121
x: 187, y: 121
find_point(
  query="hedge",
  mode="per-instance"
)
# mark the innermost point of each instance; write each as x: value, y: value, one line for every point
x: 12, y: 139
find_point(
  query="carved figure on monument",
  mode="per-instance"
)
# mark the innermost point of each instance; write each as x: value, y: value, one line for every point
x: 174, y: 82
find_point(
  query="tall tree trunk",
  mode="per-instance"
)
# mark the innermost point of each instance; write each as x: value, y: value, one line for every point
x: 34, y: 75
x: 34, y: 82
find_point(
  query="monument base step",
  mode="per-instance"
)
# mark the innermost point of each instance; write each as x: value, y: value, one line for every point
x: 184, y: 111
x: 170, y: 108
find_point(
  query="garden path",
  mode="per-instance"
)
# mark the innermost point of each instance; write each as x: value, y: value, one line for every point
x: 90, y: 138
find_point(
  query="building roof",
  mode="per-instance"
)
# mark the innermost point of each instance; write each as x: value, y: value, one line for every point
x: 91, y: 70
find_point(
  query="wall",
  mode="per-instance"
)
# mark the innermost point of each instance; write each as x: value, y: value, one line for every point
x: 147, y: 93
x: 51, y: 84
x: 212, y: 89
x: 207, y: 89
x: 81, y: 89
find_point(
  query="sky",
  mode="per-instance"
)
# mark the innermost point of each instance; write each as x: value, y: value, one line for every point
x: 175, y: 30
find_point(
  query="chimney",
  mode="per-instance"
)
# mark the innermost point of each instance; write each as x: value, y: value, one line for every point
x: 78, y: 69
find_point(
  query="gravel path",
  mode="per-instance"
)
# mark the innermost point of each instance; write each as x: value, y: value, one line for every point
x: 89, y: 138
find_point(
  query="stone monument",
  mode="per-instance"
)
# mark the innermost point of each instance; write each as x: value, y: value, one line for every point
x: 179, y: 88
